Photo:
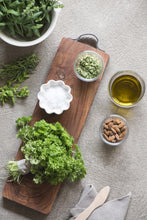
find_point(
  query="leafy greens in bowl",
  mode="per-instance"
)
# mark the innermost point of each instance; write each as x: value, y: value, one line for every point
x: 26, y: 23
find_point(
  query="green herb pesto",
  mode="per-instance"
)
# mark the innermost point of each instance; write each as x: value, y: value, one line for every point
x: 89, y: 66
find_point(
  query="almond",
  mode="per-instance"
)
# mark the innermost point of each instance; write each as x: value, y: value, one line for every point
x: 123, y: 134
x: 106, y: 137
x: 118, y: 121
x: 116, y: 128
x: 121, y: 124
x: 110, y: 133
x: 111, y: 138
x: 117, y: 137
x: 110, y: 125
x: 108, y: 120
x: 114, y: 141
x: 105, y: 126
x: 123, y: 128
x: 106, y: 132
x: 113, y: 130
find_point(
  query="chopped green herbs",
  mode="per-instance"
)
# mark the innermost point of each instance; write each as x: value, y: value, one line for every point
x: 49, y: 150
x: 89, y: 66
x: 9, y: 92
x: 15, y: 73
x: 26, y: 19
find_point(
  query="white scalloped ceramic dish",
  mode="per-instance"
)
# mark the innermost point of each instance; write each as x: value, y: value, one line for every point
x: 54, y: 97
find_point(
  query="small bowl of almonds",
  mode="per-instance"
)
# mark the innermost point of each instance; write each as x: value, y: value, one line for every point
x: 114, y: 130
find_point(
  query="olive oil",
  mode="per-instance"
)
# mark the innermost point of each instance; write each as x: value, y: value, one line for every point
x: 126, y: 90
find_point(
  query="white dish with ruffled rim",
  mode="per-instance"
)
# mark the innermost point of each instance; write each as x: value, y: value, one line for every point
x: 54, y: 97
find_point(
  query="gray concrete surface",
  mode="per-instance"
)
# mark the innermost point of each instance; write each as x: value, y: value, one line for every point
x: 121, y: 29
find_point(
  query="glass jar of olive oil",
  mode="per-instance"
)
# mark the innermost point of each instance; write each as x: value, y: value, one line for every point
x: 126, y: 88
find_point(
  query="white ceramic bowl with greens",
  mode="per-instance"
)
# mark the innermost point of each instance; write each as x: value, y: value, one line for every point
x: 45, y: 33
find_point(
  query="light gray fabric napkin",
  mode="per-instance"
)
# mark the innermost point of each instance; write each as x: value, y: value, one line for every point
x: 112, y: 210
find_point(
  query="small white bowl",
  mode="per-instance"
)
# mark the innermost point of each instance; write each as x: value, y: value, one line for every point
x: 54, y: 97
x: 22, y: 43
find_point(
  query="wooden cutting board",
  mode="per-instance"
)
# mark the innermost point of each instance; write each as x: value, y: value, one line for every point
x: 41, y: 197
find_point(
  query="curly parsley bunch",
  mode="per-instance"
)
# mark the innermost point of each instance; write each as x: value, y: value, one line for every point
x: 49, y: 150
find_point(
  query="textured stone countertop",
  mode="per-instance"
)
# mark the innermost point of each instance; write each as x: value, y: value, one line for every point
x: 121, y: 29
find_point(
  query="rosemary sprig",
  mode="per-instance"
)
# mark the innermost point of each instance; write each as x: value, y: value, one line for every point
x: 18, y: 70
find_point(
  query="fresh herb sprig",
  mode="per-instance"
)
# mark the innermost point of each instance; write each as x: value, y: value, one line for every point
x: 19, y: 70
x: 15, y: 73
x: 23, y: 121
x: 26, y: 18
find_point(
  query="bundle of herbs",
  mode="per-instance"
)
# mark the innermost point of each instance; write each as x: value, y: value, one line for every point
x: 26, y: 19
x: 49, y: 153
x: 15, y: 73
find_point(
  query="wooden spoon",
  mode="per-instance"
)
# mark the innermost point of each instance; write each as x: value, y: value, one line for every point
x: 98, y: 201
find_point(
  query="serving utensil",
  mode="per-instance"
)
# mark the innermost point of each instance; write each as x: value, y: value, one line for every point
x: 98, y: 201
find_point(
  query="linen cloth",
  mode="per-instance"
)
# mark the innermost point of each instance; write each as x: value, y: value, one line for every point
x: 112, y: 210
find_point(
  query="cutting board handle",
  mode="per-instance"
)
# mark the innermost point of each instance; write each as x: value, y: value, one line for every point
x: 89, y: 39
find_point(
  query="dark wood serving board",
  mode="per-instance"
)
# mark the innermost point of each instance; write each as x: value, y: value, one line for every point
x: 41, y: 197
